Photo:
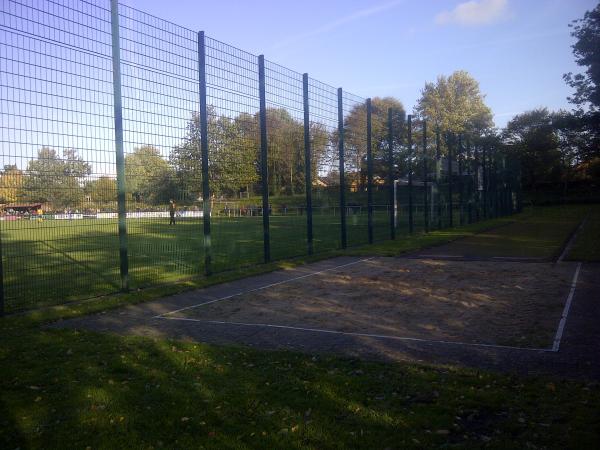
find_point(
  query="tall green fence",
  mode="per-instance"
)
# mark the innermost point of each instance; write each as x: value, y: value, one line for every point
x: 137, y: 152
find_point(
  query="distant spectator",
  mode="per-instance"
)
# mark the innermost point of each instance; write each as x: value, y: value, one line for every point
x: 172, y: 209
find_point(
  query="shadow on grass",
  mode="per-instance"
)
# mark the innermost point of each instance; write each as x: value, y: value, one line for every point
x: 69, y: 389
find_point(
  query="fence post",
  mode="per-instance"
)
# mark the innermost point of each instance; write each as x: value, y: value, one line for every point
x: 307, y: 167
x: 438, y: 168
x: 469, y: 182
x: 485, y: 180
x: 425, y: 185
x: 461, y: 186
x: 342, y: 169
x: 449, y: 143
x: 119, y: 156
x: 505, y: 190
x: 204, y: 151
x: 476, y: 193
x: 410, y: 192
x: 494, y: 166
x: 264, y: 172
x: 369, y: 174
x: 2, y: 308
x: 519, y: 187
x: 391, y: 172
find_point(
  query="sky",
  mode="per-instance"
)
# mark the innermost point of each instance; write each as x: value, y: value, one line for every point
x: 517, y: 50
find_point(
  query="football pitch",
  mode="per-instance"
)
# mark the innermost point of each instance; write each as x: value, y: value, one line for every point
x: 53, y: 261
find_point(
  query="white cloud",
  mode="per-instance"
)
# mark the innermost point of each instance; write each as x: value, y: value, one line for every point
x: 473, y: 13
x: 336, y: 23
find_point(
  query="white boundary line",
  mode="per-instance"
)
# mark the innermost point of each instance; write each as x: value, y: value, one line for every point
x: 519, y: 259
x: 565, y: 314
x: 440, y: 256
x: 347, y: 333
x: 162, y: 316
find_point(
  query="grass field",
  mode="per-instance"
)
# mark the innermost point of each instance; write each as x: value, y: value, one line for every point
x: 540, y: 233
x: 56, y: 261
x: 75, y: 389
x: 587, y: 246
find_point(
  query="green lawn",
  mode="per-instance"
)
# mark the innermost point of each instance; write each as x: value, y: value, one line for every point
x: 54, y: 261
x: 587, y: 245
x: 540, y: 233
x: 73, y: 389
x: 66, y: 389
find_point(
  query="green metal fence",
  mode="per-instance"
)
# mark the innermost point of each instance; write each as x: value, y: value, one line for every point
x: 137, y: 152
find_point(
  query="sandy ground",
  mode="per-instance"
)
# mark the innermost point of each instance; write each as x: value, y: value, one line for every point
x: 502, y: 303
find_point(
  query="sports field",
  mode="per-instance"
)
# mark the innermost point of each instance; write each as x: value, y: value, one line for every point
x: 53, y: 261
x: 499, y: 288
x: 56, y: 261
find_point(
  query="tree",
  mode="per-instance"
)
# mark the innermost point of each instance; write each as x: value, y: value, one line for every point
x: 532, y: 139
x: 587, y: 85
x: 102, y: 191
x: 147, y: 175
x: 587, y: 53
x: 11, y: 182
x: 56, y: 180
x: 286, y: 163
x: 232, y: 155
x: 355, y: 136
x: 455, y: 104
x: 285, y: 152
x: 186, y: 161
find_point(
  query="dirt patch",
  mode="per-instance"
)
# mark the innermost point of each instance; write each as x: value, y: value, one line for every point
x: 501, y: 303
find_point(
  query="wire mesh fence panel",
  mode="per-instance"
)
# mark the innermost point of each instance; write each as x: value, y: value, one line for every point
x: 131, y: 144
x: 160, y: 97
x: 234, y: 154
x: 355, y: 145
x: 383, y: 170
x: 286, y: 161
x: 402, y: 227
x: 56, y: 106
x: 418, y: 207
x: 325, y: 166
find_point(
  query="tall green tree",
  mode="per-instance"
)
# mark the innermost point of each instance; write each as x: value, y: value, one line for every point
x: 532, y: 139
x: 286, y: 152
x: 11, y: 182
x: 586, y: 98
x: 56, y: 180
x: 586, y: 49
x: 148, y: 175
x: 232, y: 155
x: 455, y: 104
x: 355, y: 137
x: 102, y: 191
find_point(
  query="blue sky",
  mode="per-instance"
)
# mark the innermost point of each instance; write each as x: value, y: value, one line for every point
x: 517, y: 50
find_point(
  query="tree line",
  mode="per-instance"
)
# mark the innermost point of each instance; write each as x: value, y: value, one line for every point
x: 553, y: 148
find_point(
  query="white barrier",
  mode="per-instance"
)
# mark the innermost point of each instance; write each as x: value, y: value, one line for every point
x: 68, y: 216
x: 150, y: 214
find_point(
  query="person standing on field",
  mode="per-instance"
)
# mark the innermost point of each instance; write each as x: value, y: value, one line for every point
x: 172, y: 212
